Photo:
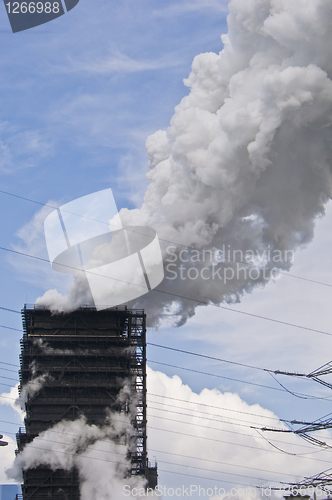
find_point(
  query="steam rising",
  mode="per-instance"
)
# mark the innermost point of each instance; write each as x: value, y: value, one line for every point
x: 98, y: 453
x: 246, y: 162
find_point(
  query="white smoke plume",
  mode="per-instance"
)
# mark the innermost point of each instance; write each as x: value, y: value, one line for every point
x: 18, y: 396
x: 78, y: 294
x: 47, y: 349
x: 98, y: 453
x: 245, y: 165
x: 32, y: 387
x: 246, y: 161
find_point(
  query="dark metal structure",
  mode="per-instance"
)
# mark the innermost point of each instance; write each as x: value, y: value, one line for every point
x: 84, y: 358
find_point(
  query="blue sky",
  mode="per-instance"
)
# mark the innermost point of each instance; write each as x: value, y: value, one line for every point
x: 78, y: 98
x: 81, y: 94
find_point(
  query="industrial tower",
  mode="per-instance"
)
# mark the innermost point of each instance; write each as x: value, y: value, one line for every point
x: 86, y: 357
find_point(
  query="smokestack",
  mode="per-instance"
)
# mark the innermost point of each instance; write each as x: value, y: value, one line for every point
x: 85, y: 425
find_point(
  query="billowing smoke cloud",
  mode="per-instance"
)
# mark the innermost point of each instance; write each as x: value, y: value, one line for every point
x: 245, y: 166
x: 98, y: 453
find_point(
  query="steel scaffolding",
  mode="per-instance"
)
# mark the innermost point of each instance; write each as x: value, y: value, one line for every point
x: 82, y: 361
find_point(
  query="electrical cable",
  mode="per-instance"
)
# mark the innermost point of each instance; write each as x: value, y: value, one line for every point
x: 186, y: 247
x: 208, y: 357
x: 308, y: 396
x: 10, y: 328
x: 10, y: 310
x: 261, y: 317
x: 224, y: 360
x: 299, y: 395
x: 8, y: 370
x: 303, y: 396
x: 170, y: 453
x: 203, y: 416
x: 200, y: 426
x: 197, y: 403
x: 215, y: 407
x: 161, y: 470
x: 301, y: 455
x: 203, y: 356
x: 220, y: 430
x: 211, y: 375
x: 194, y: 410
x: 210, y: 479
x: 200, y: 302
x: 159, y: 461
x: 9, y: 364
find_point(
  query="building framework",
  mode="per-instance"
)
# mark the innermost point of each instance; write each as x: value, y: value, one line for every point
x: 83, y: 360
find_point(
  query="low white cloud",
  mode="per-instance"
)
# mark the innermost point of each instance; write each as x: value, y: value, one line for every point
x: 7, y: 457
x: 212, y: 435
x: 13, y: 399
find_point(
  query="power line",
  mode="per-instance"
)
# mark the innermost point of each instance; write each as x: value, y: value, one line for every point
x: 301, y: 455
x: 196, y: 354
x: 283, y: 389
x: 212, y: 406
x: 205, y: 418
x: 307, y: 396
x: 10, y: 310
x: 200, y: 302
x: 175, y: 432
x: 159, y: 461
x: 199, y: 404
x: 249, y: 264
x: 204, y: 373
x: 8, y: 378
x: 9, y: 364
x: 221, y: 441
x: 10, y: 328
x: 210, y: 428
x: 160, y: 470
x: 210, y: 479
x: 217, y: 461
x: 8, y: 369
x: 214, y: 375
x: 210, y: 357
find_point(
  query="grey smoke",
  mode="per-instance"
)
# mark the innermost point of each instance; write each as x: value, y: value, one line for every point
x: 246, y: 161
x: 32, y: 387
x: 98, y: 453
